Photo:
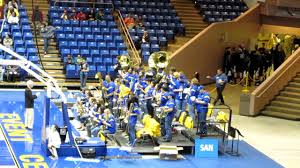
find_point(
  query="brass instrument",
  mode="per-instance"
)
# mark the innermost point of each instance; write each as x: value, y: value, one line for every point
x: 159, y: 60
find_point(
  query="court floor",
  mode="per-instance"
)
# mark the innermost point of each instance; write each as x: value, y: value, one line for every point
x: 268, y: 142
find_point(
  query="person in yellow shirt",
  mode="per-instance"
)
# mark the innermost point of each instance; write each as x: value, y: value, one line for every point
x: 13, y: 15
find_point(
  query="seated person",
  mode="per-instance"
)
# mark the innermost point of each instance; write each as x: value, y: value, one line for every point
x: 100, y: 16
x: 145, y: 38
x: 129, y: 21
x: 7, y: 41
x: 13, y: 3
x: 139, y: 22
x: 65, y: 15
x: 106, y: 124
x: 91, y: 15
x: 73, y: 15
x: 12, y: 73
x: 13, y: 15
x: 54, y: 142
x: 70, y: 60
x: 81, y: 16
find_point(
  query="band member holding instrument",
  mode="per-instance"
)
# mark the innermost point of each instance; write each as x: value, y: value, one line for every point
x: 106, y: 124
x: 194, y: 90
x: 180, y: 96
x: 109, y: 91
x: 133, y: 113
x: 169, y: 110
x: 202, y: 102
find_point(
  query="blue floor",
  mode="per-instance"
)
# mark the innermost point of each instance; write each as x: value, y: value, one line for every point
x: 13, y: 102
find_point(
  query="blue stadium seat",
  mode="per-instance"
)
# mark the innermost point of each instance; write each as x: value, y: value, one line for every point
x: 101, y: 45
x: 89, y: 60
x: 87, y: 30
x: 84, y: 23
x: 170, y: 34
x: 15, y: 28
x: 65, y: 52
x: 145, y: 47
x: 70, y: 71
x: 163, y: 41
x: 75, y: 23
x: 89, y: 38
x: 115, y: 32
x: 34, y: 59
x: 92, y: 45
x: 98, y: 61
x: 114, y: 53
x: 29, y: 44
x: 21, y: 51
x: 26, y: 28
x: 104, y: 53
x: 56, y: 22
x: 99, y: 38
x: 118, y: 39
x: 70, y: 37
x: 80, y: 38
x: 102, y: 24
x: 28, y: 36
x: 108, y: 38
x: 17, y: 36
x: 75, y: 52
x: 105, y: 31
x: 121, y: 46
x: 102, y: 69
x: 59, y: 30
x: 96, y: 31
x: 63, y: 45
x: 153, y: 40
x: 68, y: 30
x: 18, y: 43
x: 93, y: 24
x: 73, y: 45
x: 154, y: 48
x: 31, y: 52
x: 108, y: 61
x: 85, y: 52
x: 111, y: 46
x: 95, y: 53
x: 77, y: 30
x: 92, y: 71
x: 65, y: 23
x: 61, y: 37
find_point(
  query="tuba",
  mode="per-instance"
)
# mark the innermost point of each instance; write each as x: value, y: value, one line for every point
x: 159, y: 60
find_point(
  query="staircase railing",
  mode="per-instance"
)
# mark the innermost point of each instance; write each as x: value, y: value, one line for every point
x: 135, y: 54
x: 35, y: 36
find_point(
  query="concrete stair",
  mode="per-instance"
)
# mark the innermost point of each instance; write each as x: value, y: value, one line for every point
x: 286, y: 104
x: 192, y: 20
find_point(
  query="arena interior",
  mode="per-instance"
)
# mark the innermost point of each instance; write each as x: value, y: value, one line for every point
x: 149, y: 83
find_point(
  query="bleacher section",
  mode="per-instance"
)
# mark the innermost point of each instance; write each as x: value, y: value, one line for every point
x: 160, y: 20
x: 100, y: 42
x: 220, y: 10
x: 22, y: 37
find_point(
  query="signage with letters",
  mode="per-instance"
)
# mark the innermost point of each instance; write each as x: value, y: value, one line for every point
x: 206, y: 148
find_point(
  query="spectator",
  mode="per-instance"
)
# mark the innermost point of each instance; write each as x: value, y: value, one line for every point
x: 81, y: 16
x: 2, y: 71
x: 37, y: 17
x: 47, y: 32
x: 54, y: 142
x: 65, y: 15
x: 84, y: 69
x: 69, y: 60
x: 13, y: 15
x: 14, y: 4
x: 145, y: 38
x: 129, y: 21
x: 91, y: 15
x: 100, y: 15
x: 139, y: 22
x: 79, y: 59
x: 278, y: 56
x: 73, y: 15
x: 7, y: 41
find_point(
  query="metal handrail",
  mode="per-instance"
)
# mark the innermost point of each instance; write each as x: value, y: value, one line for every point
x: 136, y: 55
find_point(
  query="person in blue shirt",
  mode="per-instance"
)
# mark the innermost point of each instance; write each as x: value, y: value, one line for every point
x: 180, y: 96
x: 193, y: 93
x: 106, y: 123
x: 109, y: 91
x: 133, y: 113
x: 221, y: 80
x: 202, y: 102
x: 170, y: 109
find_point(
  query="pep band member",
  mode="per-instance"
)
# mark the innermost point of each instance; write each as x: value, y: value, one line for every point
x: 29, y: 105
x: 221, y: 80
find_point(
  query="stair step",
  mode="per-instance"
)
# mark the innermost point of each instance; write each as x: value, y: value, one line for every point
x: 290, y: 94
x: 286, y: 104
x: 296, y: 79
x: 294, y: 84
x: 51, y: 59
x: 283, y: 109
x: 292, y: 89
x: 50, y: 67
x: 55, y: 71
x: 287, y: 99
x: 281, y: 115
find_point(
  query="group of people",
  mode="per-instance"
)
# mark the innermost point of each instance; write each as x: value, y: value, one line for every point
x: 138, y: 91
x: 80, y: 15
x: 258, y: 63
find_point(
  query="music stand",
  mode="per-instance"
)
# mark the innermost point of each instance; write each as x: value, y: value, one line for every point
x: 232, y: 132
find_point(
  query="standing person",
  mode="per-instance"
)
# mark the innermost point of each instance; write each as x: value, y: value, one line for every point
x: 84, y: 69
x: 54, y: 142
x: 37, y: 17
x: 201, y: 104
x: 8, y: 42
x: 29, y: 105
x: 47, y: 32
x: 221, y: 80
x: 169, y: 108
x: 133, y: 113
x: 192, y: 95
x: 2, y: 71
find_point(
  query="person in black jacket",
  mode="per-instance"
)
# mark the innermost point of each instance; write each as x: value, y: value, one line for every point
x: 29, y: 105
